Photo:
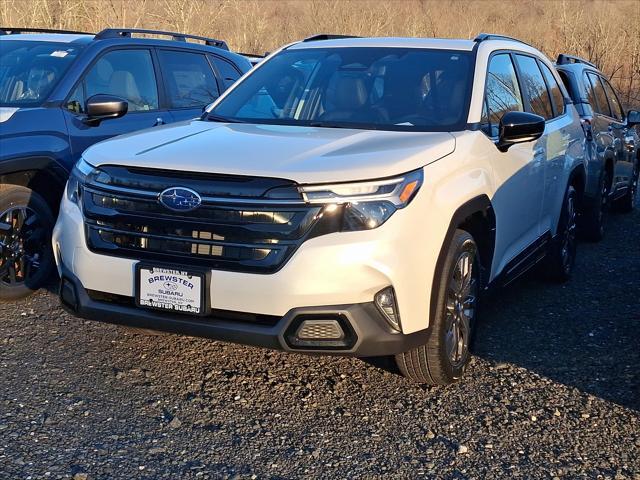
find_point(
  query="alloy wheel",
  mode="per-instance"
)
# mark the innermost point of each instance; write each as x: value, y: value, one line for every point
x: 604, y: 204
x: 22, y: 245
x: 461, y: 309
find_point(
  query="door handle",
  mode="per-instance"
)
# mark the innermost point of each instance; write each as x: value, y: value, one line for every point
x: 159, y: 121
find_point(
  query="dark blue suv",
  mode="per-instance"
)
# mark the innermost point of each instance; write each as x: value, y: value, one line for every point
x: 61, y: 92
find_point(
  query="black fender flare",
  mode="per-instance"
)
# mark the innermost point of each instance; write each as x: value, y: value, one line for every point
x: 43, y: 171
x: 479, y: 204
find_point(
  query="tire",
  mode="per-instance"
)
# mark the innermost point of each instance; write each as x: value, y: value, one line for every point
x: 560, y: 260
x: 627, y: 203
x: 594, y: 219
x: 444, y: 358
x: 26, y: 256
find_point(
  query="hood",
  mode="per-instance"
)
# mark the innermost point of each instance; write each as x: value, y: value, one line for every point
x: 301, y: 154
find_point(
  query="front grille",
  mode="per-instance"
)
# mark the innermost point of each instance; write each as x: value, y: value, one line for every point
x: 238, y: 227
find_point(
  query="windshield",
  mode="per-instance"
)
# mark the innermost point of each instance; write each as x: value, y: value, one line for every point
x: 29, y: 70
x: 361, y: 87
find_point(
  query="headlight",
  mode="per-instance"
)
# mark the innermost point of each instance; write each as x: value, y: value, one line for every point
x: 365, y: 205
x: 78, y: 176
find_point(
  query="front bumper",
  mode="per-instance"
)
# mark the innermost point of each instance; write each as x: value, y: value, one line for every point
x: 367, y: 334
x: 335, y: 269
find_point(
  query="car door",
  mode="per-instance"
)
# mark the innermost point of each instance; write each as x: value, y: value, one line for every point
x: 189, y: 81
x: 563, y: 147
x: 129, y: 73
x: 606, y: 129
x: 621, y: 136
x: 519, y: 172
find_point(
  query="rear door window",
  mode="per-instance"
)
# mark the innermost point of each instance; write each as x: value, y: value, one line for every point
x: 228, y: 72
x: 616, y: 109
x: 598, y: 95
x: 554, y: 89
x: 502, y: 93
x: 189, y: 79
x: 534, y: 85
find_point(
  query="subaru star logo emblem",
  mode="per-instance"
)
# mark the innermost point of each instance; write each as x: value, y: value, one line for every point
x: 180, y: 199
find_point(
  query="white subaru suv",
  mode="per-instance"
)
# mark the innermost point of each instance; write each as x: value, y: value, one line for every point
x: 348, y: 196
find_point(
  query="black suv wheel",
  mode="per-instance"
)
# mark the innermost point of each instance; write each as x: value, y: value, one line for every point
x: 627, y: 203
x: 561, y: 258
x: 26, y: 257
x: 594, y: 218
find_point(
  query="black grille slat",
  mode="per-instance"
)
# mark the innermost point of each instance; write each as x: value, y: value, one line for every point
x: 251, y: 221
x: 250, y: 236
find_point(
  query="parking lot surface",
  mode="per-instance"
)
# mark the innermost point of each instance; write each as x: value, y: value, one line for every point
x: 552, y: 391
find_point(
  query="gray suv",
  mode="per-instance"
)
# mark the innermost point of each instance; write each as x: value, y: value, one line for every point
x: 612, y: 142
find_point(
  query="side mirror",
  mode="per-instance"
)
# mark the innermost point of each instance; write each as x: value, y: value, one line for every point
x: 102, y: 107
x: 633, y: 118
x: 519, y: 127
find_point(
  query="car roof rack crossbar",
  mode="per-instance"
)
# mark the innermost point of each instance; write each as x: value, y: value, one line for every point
x: 327, y: 36
x: 494, y: 36
x: 179, y: 37
x: 564, y: 59
x: 18, y: 30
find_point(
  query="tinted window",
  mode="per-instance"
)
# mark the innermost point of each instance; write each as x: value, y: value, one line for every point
x: 568, y: 84
x: 30, y: 70
x: 189, y: 79
x: 533, y: 83
x: 357, y: 87
x: 124, y: 73
x: 600, y: 104
x: 554, y: 89
x: 502, y: 93
x: 616, y: 108
x: 228, y: 72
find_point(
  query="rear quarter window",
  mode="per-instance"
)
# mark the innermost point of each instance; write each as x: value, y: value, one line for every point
x: 228, y: 72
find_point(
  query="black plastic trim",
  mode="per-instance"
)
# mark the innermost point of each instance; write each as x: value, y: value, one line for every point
x: 477, y: 204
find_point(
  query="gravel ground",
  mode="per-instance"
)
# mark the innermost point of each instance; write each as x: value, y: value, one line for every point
x: 553, y: 391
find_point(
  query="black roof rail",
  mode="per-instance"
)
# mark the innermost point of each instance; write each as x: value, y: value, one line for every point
x: 257, y: 55
x: 327, y: 36
x: 179, y: 37
x: 494, y: 36
x: 17, y: 30
x: 564, y: 59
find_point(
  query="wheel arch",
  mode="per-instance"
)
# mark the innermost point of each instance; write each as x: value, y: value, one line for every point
x: 477, y: 217
x: 43, y: 175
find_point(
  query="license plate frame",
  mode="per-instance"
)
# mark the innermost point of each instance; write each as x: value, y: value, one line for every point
x: 197, y: 278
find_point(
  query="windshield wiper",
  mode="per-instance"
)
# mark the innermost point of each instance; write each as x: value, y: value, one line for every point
x: 217, y: 118
x: 356, y: 126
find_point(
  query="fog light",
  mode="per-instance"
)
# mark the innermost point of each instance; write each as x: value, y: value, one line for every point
x: 386, y: 302
x: 320, y: 330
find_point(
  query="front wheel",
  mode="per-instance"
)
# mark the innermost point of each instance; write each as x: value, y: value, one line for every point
x: 443, y: 359
x: 26, y: 257
x: 561, y: 258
